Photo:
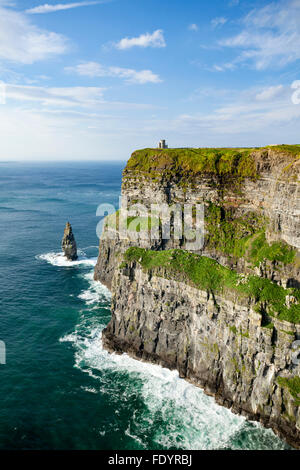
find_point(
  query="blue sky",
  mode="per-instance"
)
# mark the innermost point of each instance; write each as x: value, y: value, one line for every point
x: 98, y: 79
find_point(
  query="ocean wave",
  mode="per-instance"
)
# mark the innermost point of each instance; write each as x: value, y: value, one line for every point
x: 89, y: 389
x: 96, y: 292
x: 161, y: 407
x: 188, y: 418
x: 58, y: 259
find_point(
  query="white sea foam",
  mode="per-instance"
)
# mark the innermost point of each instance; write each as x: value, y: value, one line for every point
x: 191, y: 419
x: 176, y: 413
x: 89, y: 389
x: 71, y: 338
x: 58, y: 259
x: 96, y: 292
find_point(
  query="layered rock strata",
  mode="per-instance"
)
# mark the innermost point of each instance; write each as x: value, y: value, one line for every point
x: 226, y: 316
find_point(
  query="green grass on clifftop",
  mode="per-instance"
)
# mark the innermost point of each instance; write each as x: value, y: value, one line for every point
x: 207, y: 274
x: 291, y: 149
x: 225, y: 163
x: 188, y: 162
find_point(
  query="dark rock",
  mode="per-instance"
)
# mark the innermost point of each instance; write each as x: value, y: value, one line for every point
x: 68, y: 243
x: 166, y: 322
x: 220, y: 344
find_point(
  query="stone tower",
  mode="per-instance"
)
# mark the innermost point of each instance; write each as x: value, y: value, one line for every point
x: 162, y: 144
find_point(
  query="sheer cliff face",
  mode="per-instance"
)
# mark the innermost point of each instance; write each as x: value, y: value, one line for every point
x: 271, y: 193
x: 272, y: 189
x: 216, y: 342
x: 229, y: 328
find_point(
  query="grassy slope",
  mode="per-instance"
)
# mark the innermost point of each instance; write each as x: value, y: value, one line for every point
x: 186, y: 162
x: 293, y: 386
x: 206, y: 274
x: 227, y: 167
x: 231, y: 235
x: 243, y: 236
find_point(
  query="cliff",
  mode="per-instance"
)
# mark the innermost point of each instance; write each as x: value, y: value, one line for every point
x: 226, y: 315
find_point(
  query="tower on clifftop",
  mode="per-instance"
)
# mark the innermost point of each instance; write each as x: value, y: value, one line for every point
x: 162, y: 144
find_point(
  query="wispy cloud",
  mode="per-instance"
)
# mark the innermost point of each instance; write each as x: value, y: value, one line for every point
x: 74, y: 122
x: 65, y: 99
x: 270, y: 93
x: 256, y: 113
x: 23, y: 42
x: 220, y: 21
x: 156, y: 39
x: 270, y: 36
x: 60, y: 96
x: 193, y: 27
x: 46, y: 8
x: 223, y: 67
x: 94, y: 69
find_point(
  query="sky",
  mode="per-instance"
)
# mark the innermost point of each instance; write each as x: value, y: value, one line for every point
x: 95, y: 80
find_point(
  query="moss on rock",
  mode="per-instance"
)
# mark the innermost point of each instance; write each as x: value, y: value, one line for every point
x: 227, y: 164
x: 243, y: 236
x: 207, y: 274
x: 292, y: 385
x: 186, y: 163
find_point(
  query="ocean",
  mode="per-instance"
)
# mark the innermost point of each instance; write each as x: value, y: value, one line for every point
x: 59, y: 389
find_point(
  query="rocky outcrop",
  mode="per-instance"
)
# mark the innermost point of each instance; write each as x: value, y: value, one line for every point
x: 215, y: 341
x: 68, y: 243
x: 236, y: 341
x: 271, y: 195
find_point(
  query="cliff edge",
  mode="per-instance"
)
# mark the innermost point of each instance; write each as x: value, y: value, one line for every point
x: 226, y: 315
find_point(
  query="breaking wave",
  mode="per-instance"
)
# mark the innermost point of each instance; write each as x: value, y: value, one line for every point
x: 166, y: 409
x: 96, y: 293
x: 58, y: 259
x: 175, y: 413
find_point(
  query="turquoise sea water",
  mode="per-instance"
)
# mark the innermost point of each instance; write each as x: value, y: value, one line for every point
x: 59, y: 389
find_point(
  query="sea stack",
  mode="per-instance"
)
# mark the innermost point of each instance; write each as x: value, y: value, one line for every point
x: 68, y: 243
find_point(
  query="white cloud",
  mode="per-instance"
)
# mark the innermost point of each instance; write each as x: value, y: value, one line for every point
x: 77, y: 123
x: 254, y: 114
x: 235, y: 120
x: 64, y: 99
x: 156, y: 39
x: 23, y: 42
x: 64, y: 96
x: 70, y: 123
x: 46, y: 8
x: 193, y: 27
x: 220, y: 21
x: 94, y: 69
x: 270, y: 93
x: 223, y: 67
x: 270, y: 36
